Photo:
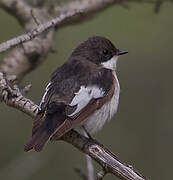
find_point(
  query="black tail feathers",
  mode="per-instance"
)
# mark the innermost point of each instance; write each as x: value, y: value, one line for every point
x: 55, y: 116
x: 37, y: 142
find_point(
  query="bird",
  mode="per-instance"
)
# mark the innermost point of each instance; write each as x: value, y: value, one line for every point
x: 82, y: 94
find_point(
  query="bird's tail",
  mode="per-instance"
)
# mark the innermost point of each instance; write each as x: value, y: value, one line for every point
x: 54, y: 119
x: 38, y: 141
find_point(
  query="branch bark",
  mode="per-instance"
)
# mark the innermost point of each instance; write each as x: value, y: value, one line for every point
x: 13, y: 97
x: 37, y: 31
x: 18, y: 9
x: 103, y: 156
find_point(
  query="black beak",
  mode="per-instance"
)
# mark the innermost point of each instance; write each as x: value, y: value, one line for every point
x: 120, y: 52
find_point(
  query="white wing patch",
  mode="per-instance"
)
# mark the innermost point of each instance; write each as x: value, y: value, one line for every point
x: 43, y: 98
x: 84, y: 96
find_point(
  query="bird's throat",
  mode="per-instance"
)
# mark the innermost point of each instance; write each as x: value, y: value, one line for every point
x: 110, y: 64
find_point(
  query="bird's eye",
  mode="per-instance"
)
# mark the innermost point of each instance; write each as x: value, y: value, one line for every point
x: 105, y: 51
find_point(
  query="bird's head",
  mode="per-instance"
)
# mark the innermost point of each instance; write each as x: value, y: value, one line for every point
x: 100, y: 51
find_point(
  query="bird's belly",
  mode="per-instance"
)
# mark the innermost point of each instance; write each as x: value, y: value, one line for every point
x: 96, y: 121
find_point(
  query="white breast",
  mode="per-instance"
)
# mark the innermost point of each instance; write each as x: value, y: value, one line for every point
x: 96, y: 121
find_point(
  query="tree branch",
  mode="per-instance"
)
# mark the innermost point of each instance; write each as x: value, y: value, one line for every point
x: 13, y: 97
x: 18, y: 9
x: 67, y: 13
x: 27, y: 57
x: 89, y: 167
x: 89, y: 162
x: 108, y: 161
x: 88, y: 7
x: 37, y: 31
x: 103, y: 156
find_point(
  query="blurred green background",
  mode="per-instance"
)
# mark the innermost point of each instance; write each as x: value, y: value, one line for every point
x: 142, y: 130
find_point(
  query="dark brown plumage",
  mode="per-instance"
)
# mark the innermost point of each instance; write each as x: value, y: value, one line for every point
x: 83, y: 69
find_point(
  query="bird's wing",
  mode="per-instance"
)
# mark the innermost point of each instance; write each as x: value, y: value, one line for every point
x: 73, y: 94
x: 84, y: 108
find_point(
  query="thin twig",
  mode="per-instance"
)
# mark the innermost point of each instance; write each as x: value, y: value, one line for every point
x: 35, y: 19
x: 101, y: 174
x: 90, y: 167
x: 89, y: 162
x: 26, y: 89
x: 35, y: 32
